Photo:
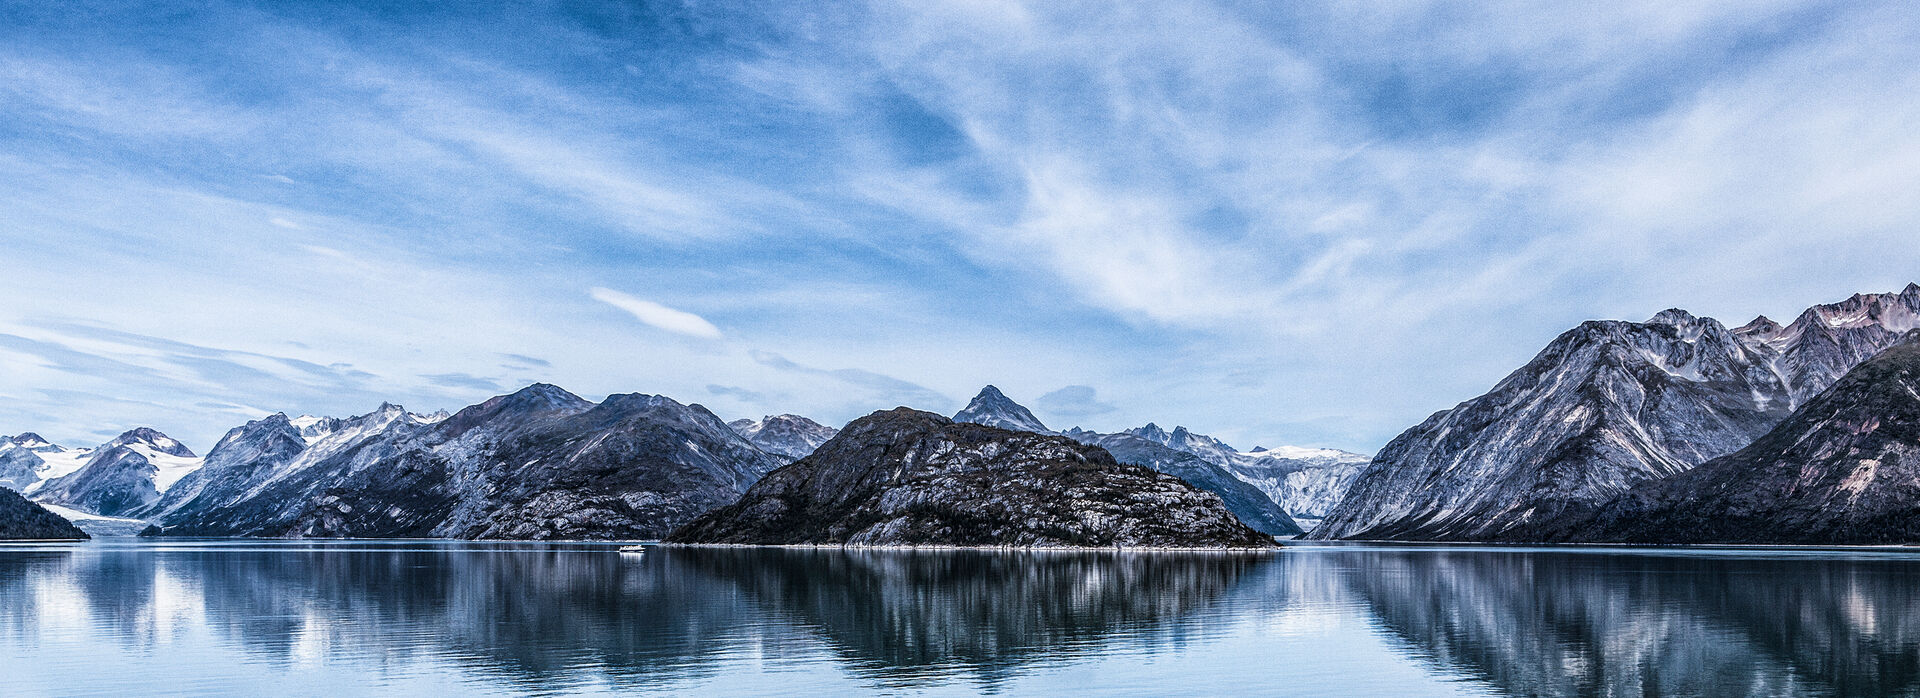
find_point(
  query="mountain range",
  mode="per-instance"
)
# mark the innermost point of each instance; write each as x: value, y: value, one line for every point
x: 1676, y: 429
x: 1605, y: 407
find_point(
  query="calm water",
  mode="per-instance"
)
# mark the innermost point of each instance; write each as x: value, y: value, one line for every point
x: 345, y: 618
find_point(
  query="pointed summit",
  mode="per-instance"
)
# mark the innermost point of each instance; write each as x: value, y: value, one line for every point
x: 31, y: 441
x: 1151, y: 432
x: 992, y: 408
x: 1761, y: 326
x: 1672, y: 316
x: 151, y: 438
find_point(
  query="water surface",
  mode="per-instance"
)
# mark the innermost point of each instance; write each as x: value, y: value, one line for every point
x: 128, y: 617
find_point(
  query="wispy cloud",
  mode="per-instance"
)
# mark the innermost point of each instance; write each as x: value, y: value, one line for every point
x: 1281, y: 222
x: 657, y: 315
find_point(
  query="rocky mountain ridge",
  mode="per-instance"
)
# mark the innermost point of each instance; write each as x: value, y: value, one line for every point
x: 1605, y: 407
x: 540, y: 463
x: 1844, y: 469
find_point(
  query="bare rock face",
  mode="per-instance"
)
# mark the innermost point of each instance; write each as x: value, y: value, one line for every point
x: 1607, y: 406
x: 24, y: 520
x: 1844, y: 469
x: 904, y: 477
x: 789, y: 435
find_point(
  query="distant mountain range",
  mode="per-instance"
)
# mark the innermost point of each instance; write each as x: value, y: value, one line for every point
x: 1676, y: 429
x: 789, y: 436
x: 1253, y: 484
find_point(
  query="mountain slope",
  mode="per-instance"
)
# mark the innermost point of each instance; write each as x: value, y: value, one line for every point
x: 24, y: 520
x: 994, y: 409
x: 1253, y: 507
x: 1606, y: 406
x: 1844, y: 469
x: 235, y: 465
x: 789, y: 435
x: 905, y: 477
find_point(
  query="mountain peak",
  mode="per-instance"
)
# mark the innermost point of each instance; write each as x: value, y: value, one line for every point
x: 1838, y: 471
x: 29, y: 440
x: 1151, y: 432
x: 152, y: 438
x: 992, y: 408
x: 789, y: 435
x: 1761, y: 325
x: 634, y: 401
x: 1672, y: 316
x: 545, y: 396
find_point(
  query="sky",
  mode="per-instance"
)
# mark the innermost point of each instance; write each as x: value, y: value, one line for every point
x: 1277, y: 223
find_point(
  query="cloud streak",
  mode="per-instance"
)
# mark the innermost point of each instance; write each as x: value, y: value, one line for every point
x: 657, y: 315
x: 1282, y: 223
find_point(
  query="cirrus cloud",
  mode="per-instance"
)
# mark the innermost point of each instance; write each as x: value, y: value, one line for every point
x: 657, y: 315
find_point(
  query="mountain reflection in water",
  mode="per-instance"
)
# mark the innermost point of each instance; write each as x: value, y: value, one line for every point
x: 343, y: 618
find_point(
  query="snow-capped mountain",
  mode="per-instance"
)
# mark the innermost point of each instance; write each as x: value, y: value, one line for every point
x: 1306, y: 482
x: 1607, y: 406
x: 1844, y: 469
x: 27, y: 460
x: 122, y: 476
x: 906, y: 477
x: 789, y: 435
x: 263, y: 473
x: 540, y: 463
x: 992, y: 408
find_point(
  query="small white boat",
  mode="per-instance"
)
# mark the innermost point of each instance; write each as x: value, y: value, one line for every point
x: 633, y: 550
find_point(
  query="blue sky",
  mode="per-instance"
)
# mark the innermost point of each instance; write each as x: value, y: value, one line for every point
x: 1276, y: 223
